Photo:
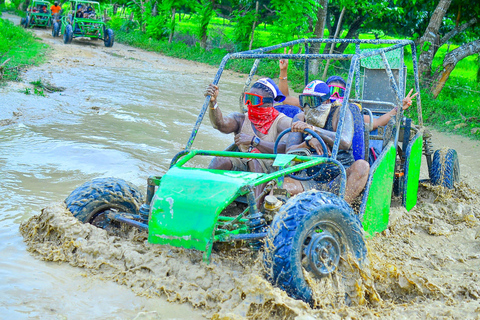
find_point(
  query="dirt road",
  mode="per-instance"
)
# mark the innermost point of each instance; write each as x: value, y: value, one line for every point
x: 425, y: 265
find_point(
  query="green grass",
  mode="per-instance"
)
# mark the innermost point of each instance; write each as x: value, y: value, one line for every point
x: 21, y: 47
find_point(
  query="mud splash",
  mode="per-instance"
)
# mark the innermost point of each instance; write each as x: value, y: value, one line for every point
x: 425, y: 265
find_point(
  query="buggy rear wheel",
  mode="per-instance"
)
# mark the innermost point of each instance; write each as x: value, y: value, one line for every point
x: 316, y: 231
x: 90, y: 202
x: 445, y: 169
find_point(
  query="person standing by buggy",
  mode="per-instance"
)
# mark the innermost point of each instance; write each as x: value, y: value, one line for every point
x: 255, y: 131
x: 323, y: 117
x: 55, y: 8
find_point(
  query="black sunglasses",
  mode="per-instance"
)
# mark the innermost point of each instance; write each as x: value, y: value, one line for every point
x: 312, y: 101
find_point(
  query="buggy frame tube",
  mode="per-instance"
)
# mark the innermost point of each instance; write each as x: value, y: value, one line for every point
x: 307, y: 162
x: 260, y: 54
x: 247, y: 83
x: 417, y: 82
x: 393, y: 84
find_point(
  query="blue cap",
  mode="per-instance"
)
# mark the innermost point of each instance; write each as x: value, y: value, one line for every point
x: 270, y: 84
x: 336, y: 79
x: 317, y: 88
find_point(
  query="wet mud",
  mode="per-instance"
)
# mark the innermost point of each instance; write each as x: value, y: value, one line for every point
x: 425, y: 265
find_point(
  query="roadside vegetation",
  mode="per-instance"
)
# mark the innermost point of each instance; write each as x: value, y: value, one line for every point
x: 204, y: 31
x: 18, y: 50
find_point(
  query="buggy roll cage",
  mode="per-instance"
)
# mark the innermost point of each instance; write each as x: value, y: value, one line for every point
x: 263, y: 53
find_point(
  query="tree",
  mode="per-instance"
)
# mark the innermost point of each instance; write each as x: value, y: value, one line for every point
x: 318, y: 32
x: 293, y: 18
x: 204, y: 10
x: 463, y: 17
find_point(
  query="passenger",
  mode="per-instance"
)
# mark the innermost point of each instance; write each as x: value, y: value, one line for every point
x: 322, y: 117
x: 79, y: 13
x: 43, y: 9
x: 55, y: 9
x: 337, y: 90
x: 255, y: 132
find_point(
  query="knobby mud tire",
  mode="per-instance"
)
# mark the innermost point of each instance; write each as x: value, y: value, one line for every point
x: 68, y: 35
x: 89, y: 202
x: 445, y: 168
x: 55, y: 29
x: 109, y: 38
x: 300, y: 219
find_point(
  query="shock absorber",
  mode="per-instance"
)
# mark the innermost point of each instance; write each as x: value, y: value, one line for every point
x: 428, y: 147
x: 256, y: 222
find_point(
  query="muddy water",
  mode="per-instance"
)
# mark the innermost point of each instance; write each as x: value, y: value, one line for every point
x: 125, y: 113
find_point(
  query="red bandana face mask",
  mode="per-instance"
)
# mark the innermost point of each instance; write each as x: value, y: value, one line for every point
x: 262, y: 118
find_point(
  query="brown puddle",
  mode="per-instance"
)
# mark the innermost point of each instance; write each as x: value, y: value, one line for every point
x: 425, y: 265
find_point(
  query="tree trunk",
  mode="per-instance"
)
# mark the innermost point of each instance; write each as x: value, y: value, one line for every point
x: 172, y: 26
x: 253, y: 27
x: 430, y: 38
x: 339, y: 25
x: 450, y: 61
x: 318, y: 32
x: 352, y: 32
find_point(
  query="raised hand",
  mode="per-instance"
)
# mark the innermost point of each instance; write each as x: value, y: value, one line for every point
x: 284, y: 62
x: 407, y: 101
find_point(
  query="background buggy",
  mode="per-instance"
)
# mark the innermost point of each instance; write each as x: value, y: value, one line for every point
x: 35, y: 17
x: 91, y: 25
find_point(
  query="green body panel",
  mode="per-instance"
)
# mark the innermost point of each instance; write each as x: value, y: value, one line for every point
x: 187, y: 204
x: 380, y: 185
x: 412, y: 171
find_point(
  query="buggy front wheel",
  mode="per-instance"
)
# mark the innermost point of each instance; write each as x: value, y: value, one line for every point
x: 91, y: 202
x: 317, y: 232
x: 68, y: 35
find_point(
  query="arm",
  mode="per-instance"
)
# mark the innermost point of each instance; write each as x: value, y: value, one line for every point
x: 283, y: 82
x: 383, y: 120
x: 228, y: 124
x: 295, y: 138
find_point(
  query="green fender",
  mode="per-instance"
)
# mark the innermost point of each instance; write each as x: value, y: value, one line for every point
x: 375, y: 208
x: 413, y: 160
x: 186, y: 205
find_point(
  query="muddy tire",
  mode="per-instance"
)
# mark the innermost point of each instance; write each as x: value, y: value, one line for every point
x: 55, y: 29
x: 26, y: 22
x: 314, y: 231
x: 89, y: 202
x: 109, y: 38
x: 445, y: 169
x: 68, y: 35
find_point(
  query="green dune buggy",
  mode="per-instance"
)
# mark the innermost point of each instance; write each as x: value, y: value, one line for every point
x: 84, y: 20
x: 315, y: 232
x: 38, y: 15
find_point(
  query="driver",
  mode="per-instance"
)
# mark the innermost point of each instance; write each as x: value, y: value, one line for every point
x: 322, y: 117
x: 255, y: 132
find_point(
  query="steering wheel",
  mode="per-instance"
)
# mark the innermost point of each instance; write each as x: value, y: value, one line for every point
x: 315, y: 135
